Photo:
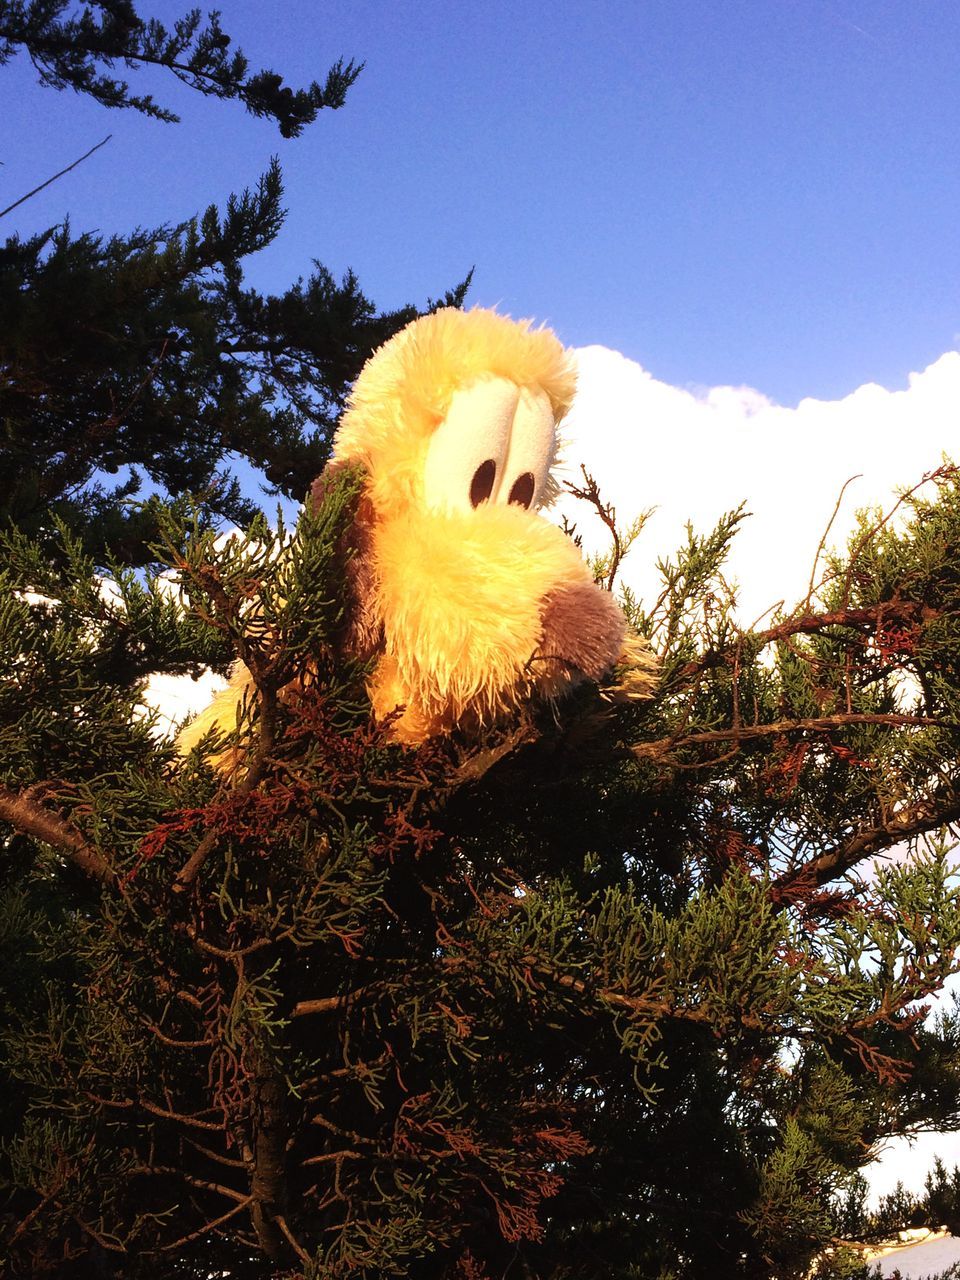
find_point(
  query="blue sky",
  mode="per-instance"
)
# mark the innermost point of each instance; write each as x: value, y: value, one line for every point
x: 745, y: 191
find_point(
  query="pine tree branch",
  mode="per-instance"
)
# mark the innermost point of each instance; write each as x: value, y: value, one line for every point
x: 229, y: 1193
x: 207, y: 1226
x: 329, y: 1004
x: 213, y: 1155
x: 865, y: 620
x: 660, y: 747
x: 33, y: 820
x: 190, y: 1121
x: 291, y: 1239
x: 96, y: 1236
x: 912, y: 820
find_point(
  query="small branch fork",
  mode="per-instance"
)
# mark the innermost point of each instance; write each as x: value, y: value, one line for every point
x: 590, y: 492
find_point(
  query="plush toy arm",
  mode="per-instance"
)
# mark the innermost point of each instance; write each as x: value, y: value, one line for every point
x: 222, y: 714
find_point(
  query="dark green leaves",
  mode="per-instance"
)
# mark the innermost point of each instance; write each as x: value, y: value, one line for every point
x: 78, y: 50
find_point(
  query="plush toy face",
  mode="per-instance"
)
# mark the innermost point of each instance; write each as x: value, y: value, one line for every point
x: 453, y: 389
x: 496, y: 444
x: 455, y: 424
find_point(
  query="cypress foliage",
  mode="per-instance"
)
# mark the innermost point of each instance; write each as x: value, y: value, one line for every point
x: 616, y: 991
x: 78, y: 50
x: 145, y: 355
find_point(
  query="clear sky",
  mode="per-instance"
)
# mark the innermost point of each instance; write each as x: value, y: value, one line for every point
x: 739, y: 191
x: 754, y: 201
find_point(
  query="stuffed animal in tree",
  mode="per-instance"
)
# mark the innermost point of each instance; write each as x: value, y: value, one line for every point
x: 466, y: 597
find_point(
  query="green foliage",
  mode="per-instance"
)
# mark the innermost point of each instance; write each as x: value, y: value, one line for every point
x: 70, y: 49
x: 362, y: 1010
x: 145, y: 355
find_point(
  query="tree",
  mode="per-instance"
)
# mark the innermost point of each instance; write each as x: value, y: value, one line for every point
x: 613, y: 992
x: 145, y: 354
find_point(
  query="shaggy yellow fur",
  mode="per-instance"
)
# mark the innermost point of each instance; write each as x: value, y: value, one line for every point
x: 473, y: 602
x: 404, y: 391
x: 460, y: 597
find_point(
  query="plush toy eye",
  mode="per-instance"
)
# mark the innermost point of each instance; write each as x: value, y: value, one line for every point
x: 533, y: 443
x: 481, y: 486
x: 464, y: 466
x: 522, y: 491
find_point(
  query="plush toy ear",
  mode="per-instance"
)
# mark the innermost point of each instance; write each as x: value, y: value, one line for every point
x: 362, y: 634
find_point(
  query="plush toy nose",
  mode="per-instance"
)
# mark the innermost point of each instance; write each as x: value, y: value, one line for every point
x: 582, y: 627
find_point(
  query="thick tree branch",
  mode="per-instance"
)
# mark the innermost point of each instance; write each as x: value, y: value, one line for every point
x: 911, y: 820
x: 32, y: 819
x: 270, y: 1129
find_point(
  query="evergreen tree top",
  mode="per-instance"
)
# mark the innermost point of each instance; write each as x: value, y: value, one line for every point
x: 77, y: 46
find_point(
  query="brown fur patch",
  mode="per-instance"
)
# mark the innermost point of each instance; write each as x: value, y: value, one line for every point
x: 583, y: 628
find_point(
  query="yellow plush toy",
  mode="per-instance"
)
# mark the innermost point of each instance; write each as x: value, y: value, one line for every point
x: 470, y: 600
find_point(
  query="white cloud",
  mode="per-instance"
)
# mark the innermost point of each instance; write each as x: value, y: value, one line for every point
x: 696, y: 454
x: 174, y: 698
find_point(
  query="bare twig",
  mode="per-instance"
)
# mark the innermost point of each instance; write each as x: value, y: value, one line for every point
x: 823, y: 541
x: 190, y: 1121
x: 10, y: 207
x: 207, y: 1226
x: 590, y: 492
x: 291, y: 1239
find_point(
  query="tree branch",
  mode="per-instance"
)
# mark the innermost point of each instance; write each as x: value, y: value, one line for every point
x: 33, y: 820
x: 867, y: 620
x: 327, y: 1005
x: 741, y: 733
x: 911, y: 820
x: 23, y: 199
